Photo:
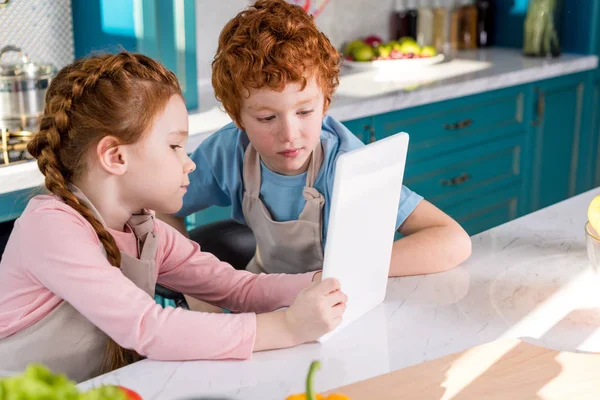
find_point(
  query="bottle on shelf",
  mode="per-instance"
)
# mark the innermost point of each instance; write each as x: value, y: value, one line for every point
x: 400, y: 24
x: 464, y: 25
x: 455, y: 26
x: 485, y: 23
x: 413, y: 14
x: 425, y: 23
x: 442, y: 10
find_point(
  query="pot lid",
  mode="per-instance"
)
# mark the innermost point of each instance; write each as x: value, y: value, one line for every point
x: 23, y: 69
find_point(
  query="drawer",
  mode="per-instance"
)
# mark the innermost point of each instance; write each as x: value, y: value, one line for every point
x: 472, y: 172
x: 362, y: 128
x: 486, y: 212
x: 445, y: 126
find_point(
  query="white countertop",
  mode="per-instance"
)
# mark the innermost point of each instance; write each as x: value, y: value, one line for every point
x: 528, y: 278
x: 368, y: 93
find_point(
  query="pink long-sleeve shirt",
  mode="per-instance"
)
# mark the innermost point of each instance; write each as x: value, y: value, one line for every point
x: 54, y: 254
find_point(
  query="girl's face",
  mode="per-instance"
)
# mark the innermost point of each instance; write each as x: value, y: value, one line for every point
x: 284, y: 127
x: 158, y: 168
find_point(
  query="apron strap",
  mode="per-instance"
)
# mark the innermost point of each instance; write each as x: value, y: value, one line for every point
x: 251, y: 171
x: 142, y: 225
x: 316, y: 159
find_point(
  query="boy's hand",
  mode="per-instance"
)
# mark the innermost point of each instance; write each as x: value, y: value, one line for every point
x: 316, y: 310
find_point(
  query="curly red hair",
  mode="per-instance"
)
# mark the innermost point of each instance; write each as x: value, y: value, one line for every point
x: 271, y: 44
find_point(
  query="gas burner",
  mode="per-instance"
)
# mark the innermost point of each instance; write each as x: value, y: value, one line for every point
x: 13, y: 146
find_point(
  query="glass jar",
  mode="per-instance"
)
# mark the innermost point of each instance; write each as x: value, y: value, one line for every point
x: 592, y: 244
x: 540, y: 37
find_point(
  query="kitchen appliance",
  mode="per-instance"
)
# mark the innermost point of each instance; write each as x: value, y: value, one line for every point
x: 23, y: 86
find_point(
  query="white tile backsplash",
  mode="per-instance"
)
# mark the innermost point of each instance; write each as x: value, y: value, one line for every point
x: 341, y: 20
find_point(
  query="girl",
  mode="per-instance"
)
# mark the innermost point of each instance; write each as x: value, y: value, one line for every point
x: 79, y: 270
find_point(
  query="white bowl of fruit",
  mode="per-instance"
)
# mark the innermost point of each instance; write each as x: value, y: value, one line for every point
x: 372, y: 53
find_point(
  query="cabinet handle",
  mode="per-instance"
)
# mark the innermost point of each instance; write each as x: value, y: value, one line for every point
x: 457, y: 180
x: 371, y: 130
x: 541, y: 108
x: 458, y: 125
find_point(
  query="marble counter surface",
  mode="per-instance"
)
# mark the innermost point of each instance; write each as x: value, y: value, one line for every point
x: 529, y: 278
x: 368, y: 93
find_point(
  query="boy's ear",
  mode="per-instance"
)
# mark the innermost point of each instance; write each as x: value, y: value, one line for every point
x: 111, y: 155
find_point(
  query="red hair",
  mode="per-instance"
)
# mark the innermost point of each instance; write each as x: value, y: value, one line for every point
x: 271, y: 44
x: 117, y: 95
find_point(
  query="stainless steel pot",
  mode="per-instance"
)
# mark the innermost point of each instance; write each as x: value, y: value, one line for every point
x: 23, y: 87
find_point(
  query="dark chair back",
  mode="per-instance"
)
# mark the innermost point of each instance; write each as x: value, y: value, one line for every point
x: 229, y: 241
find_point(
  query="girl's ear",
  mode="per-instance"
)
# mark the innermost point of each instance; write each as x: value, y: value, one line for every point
x: 112, y: 157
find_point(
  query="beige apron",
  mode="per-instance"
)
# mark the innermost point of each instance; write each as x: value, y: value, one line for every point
x: 284, y: 247
x: 64, y: 340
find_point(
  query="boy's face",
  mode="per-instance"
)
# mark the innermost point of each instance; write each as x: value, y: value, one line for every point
x: 284, y: 127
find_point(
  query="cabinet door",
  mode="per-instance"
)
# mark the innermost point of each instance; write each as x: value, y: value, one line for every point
x: 362, y: 128
x: 451, y: 126
x: 556, y: 130
x: 162, y: 29
x: 211, y: 214
x: 595, y: 116
x: 488, y: 211
x: 595, y: 31
x: 12, y: 204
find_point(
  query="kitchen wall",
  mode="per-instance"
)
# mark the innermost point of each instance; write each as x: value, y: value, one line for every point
x: 360, y: 18
x: 43, y: 29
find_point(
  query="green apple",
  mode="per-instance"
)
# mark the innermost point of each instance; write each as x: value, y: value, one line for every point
x: 410, y: 47
x: 384, y: 50
x: 353, y: 45
x: 363, y: 53
x: 406, y: 39
x: 428, y: 51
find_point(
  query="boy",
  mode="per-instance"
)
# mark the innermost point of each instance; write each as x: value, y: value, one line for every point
x: 275, y: 74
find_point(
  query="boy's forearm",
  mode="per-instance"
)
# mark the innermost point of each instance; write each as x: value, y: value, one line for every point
x: 175, y: 221
x: 430, y: 250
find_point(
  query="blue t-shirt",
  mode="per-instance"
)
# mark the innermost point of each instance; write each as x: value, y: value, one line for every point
x: 218, y: 179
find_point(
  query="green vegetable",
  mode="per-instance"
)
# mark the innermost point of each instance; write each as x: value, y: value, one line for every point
x: 38, y: 383
x: 310, y: 390
x: 540, y: 36
x: 104, y: 393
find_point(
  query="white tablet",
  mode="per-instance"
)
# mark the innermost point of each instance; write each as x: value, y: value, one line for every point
x: 362, y: 223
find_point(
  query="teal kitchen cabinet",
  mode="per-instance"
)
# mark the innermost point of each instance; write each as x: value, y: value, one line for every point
x: 595, y: 118
x: 492, y: 209
x: 162, y: 29
x: 211, y: 214
x: 12, y: 204
x: 362, y: 128
x: 480, y: 186
x: 453, y: 125
x: 556, y: 128
x: 468, y: 156
x: 471, y: 173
